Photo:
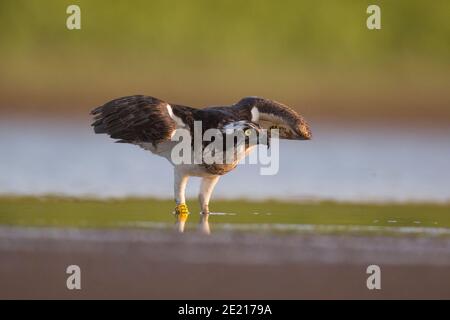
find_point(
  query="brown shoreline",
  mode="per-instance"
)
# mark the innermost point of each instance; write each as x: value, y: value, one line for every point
x: 160, y: 265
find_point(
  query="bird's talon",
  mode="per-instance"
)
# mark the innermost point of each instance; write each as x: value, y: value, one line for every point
x: 182, y: 212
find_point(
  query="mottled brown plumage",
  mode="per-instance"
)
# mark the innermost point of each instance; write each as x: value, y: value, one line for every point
x: 146, y: 119
x: 134, y: 118
x: 270, y: 110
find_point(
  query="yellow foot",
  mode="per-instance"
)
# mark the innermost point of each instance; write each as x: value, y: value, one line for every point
x: 181, y: 212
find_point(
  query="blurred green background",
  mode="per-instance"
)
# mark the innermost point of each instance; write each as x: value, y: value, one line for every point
x: 317, y: 56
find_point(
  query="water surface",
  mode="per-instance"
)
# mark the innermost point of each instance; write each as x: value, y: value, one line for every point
x: 351, y: 162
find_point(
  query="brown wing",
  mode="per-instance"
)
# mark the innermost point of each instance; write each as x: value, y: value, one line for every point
x: 271, y: 114
x: 137, y: 119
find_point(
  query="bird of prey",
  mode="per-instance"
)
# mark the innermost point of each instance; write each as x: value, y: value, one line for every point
x: 151, y: 123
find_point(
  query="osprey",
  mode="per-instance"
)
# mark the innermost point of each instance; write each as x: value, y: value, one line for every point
x: 151, y: 124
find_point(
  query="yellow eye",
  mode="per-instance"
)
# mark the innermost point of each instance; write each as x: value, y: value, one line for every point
x: 248, y: 132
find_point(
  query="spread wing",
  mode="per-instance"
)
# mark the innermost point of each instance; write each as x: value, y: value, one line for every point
x: 140, y: 118
x: 270, y: 114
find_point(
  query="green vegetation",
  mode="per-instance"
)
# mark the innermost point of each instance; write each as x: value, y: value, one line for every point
x: 317, y: 55
x: 70, y: 212
x: 320, y: 31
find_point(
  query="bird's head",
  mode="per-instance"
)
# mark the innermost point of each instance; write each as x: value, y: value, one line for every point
x: 243, y: 131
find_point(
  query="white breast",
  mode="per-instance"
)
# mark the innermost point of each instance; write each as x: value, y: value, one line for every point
x: 163, y: 149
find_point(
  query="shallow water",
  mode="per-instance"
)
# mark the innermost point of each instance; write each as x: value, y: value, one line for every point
x: 351, y: 162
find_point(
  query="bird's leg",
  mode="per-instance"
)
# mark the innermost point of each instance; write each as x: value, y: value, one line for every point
x: 206, y: 188
x: 181, y: 209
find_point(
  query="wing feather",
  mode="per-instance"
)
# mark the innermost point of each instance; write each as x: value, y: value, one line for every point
x: 271, y: 114
x: 135, y: 119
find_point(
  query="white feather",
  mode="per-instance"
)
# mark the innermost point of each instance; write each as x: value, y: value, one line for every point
x: 178, y: 121
x: 255, y: 114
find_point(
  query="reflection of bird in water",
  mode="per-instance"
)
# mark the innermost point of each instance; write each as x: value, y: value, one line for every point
x: 151, y: 123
